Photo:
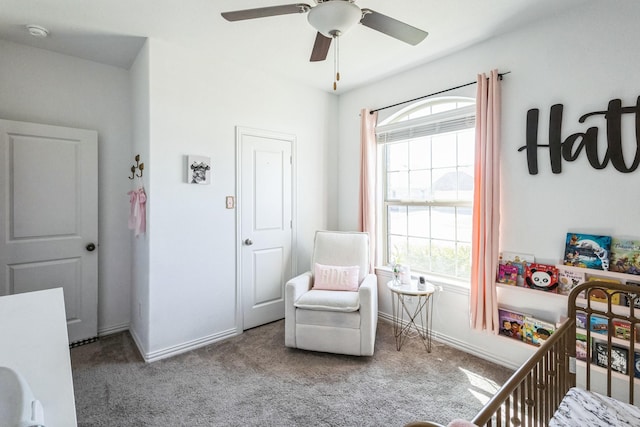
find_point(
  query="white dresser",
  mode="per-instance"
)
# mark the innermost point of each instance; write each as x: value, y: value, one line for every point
x: 34, y: 342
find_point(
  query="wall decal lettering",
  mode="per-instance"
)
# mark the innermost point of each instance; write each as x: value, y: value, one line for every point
x: 572, y: 146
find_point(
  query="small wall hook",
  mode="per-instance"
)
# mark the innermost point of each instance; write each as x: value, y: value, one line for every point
x: 139, y: 166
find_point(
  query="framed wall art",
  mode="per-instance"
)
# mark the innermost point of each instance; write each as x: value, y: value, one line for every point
x: 198, y: 170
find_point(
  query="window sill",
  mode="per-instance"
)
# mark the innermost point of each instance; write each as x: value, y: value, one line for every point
x: 448, y: 284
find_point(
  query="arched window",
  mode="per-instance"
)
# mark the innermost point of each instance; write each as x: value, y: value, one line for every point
x: 427, y: 168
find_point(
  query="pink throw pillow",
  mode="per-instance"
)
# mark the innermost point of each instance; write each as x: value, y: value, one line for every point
x: 336, y: 278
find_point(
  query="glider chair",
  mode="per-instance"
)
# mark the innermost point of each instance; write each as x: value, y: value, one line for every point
x: 334, y: 307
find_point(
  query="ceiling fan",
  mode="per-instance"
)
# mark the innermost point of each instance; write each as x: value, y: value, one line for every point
x: 333, y: 18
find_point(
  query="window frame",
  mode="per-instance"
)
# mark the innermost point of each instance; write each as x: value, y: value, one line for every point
x: 398, y: 123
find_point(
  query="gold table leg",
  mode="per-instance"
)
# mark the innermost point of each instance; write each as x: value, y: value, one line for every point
x: 422, y: 312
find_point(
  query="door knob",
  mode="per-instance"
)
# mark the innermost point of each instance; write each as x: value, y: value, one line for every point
x: 248, y: 242
x: 91, y: 247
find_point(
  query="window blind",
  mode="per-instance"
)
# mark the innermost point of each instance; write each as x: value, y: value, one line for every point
x: 444, y: 122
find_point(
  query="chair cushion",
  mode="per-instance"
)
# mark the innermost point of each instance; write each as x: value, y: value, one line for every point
x: 336, y: 278
x: 342, y: 248
x: 330, y: 319
x: 317, y: 299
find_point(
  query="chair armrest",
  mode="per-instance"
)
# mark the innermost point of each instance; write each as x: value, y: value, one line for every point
x: 369, y: 288
x: 298, y: 285
x: 293, y: 290
x: 368, y: 293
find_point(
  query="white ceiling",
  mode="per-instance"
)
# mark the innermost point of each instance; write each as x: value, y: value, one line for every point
x: 112, y: 32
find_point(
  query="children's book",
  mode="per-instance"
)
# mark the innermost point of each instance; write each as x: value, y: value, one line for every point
x: 536, y: 331
x: 625, y: 256
x: 511, y: 323
x: 599, y: 325
x: 569, y: 279
x: 600, y: 295
x: 619, y: 357
x: 621, y: 329
x: 587, y: 251
x: 542, y: 277
x: 581, y: 320
x: 581, y: 346
x: 636, y: 300
x: 518, y: 260
x: 507, y: 274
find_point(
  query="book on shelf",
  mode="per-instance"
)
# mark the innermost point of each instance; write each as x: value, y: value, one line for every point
x: 587, y: 251
x: 599, y: 325
x: 619, y: 357
x: 600, y: 295
x: 636, y: 299
x: 581, y: 320
x: 511, y: 323
x: 519, y: 260
x: 622, y: 329
x: 537, y: 331
x: 542, y: 277
x: 581, y: 346
x: 569, y: 279
x: 625, y: 256
x: 507, y: 274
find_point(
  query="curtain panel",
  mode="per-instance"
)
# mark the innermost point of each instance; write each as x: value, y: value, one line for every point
x: 486, y: 206
x: 367, y: 197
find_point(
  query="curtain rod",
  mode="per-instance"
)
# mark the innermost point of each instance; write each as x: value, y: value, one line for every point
x: 432, y: 94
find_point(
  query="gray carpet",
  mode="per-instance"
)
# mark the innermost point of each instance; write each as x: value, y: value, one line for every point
x: 254, y: 380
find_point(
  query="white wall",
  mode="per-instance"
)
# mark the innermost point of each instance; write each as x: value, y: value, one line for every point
x: 50, y: 88
x: 196, y: 101
x: 140, y: 110
x: 582, y: 59
x: 181, y: 289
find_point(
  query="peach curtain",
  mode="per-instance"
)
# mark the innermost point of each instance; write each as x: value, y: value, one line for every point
x: 367, y: 199
x: 486, y: 206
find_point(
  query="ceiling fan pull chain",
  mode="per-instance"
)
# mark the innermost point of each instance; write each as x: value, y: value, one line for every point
x: 338, y: 59
x: 336, y: 62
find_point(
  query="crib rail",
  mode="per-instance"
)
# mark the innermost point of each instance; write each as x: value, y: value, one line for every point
x: 532, y: 394
x: 610, y: 303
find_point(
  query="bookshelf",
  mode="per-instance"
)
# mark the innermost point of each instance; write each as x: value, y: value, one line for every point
x: 601, y: 274
x: 582, y: 364
x: 558, y: 299
x: 603, y: 337
x: 552, y: 307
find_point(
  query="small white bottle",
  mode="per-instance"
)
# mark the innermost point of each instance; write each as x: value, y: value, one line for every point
x: 405, y: 275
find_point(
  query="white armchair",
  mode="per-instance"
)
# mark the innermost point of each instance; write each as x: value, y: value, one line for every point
x: 334, y: 321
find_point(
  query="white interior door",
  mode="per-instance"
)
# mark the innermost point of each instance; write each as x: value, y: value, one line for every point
x: 266, y: 223
x: 49, y: 221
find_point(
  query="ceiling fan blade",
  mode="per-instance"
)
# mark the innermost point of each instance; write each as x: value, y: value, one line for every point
x: 320, y: 48
x: 263, y: 12
x: 392, y: 27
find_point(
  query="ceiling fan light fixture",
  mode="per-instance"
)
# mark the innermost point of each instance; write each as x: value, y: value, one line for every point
x: 335, y: 17
x: 37, y: 31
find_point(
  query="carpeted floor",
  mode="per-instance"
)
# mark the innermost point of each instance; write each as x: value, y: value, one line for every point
x: 254, y: 380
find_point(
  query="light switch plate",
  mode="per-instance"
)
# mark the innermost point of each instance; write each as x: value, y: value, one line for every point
x: 230, y: 202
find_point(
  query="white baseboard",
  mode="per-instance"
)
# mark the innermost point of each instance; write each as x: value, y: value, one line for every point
x: 201, y: 342
x: 183, y: 347
x: 114, y: 329
x: 476, y: 351
x: 137, y: 342
x: 463, y: 346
